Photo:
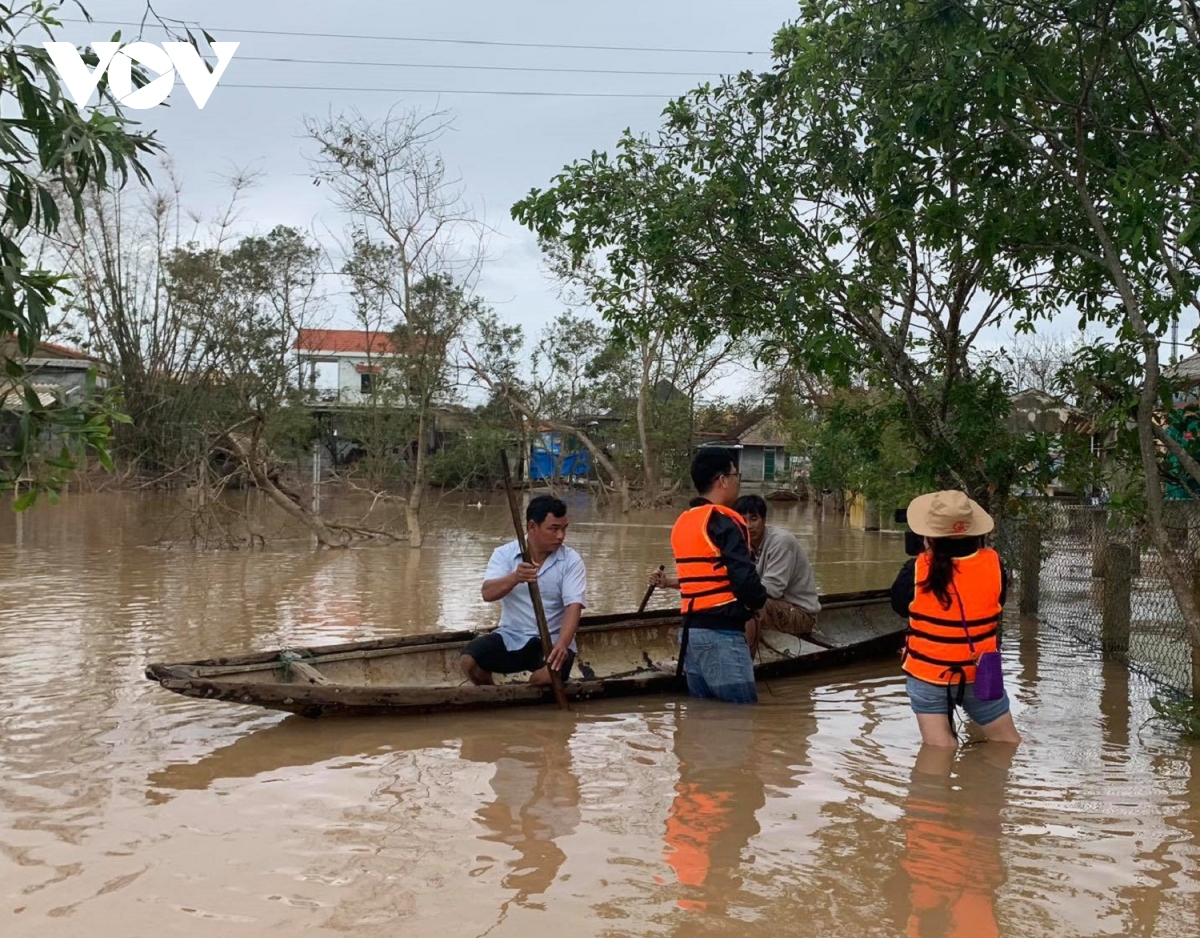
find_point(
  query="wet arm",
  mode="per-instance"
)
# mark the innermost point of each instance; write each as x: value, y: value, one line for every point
x: 497, y: 588
x: 574, y: 599
x: 570, y: 624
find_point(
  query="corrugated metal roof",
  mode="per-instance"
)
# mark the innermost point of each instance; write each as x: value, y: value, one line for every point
x: 1186, y: 368
x: 47, y: 394
x: 766, y: 432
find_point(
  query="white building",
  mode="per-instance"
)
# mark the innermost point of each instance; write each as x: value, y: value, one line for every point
x: 341, y: 365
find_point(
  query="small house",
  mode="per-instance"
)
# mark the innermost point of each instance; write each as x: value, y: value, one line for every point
x: 764, y: 456
x: 760, y: 444
x: 55, y: 371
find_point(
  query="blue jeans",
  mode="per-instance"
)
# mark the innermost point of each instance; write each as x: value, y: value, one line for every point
x: 924, y: 697
x: 719, y: 667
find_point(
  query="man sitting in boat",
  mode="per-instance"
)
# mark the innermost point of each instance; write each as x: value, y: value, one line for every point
x: 516, y: 645
x: 784, y: 570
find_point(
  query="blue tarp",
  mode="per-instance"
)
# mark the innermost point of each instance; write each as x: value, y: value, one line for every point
x: 548, y: 461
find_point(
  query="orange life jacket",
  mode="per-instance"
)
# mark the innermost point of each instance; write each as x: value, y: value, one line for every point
x: 936, y: 649
x: 954, y: 872
x: 696, y: 818
x: 703, y: 579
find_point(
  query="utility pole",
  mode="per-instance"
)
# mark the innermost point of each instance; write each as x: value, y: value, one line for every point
x: 316, y: 477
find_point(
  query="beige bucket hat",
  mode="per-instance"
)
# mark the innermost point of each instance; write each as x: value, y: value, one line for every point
x: 948, y: 514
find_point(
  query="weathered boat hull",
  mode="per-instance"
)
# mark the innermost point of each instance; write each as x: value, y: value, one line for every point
x: 420, y: 673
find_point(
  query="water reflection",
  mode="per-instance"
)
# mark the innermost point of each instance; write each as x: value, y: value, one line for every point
x: 719, y: 792
x: 293, y: 742
x: 952, y: 831
x: 536, y: 800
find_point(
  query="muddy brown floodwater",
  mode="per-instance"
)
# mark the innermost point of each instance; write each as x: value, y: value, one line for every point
x: 129, y: 811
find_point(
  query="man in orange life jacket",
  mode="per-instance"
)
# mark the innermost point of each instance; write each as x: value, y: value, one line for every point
x: 721, y: 591
x: 953, y: 595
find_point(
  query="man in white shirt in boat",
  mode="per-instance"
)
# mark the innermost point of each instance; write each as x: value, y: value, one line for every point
x: 516, y: 645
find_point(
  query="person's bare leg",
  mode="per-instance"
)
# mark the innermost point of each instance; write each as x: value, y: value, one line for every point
x: 935, y: 730
x: 540, y: 676
x: 1002, y: 730
x: 934, y: 760
x: 475, y: 674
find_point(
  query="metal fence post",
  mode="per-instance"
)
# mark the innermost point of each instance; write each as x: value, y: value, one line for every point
x: 1099, y: 541
x: 1118, y: 601
x: 1031, y: 568
x: 316, y: 477
x: 1192, y: 641
x: 1192, y: 516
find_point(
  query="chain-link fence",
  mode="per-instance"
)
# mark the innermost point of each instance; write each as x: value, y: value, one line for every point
x: 1100, y: 580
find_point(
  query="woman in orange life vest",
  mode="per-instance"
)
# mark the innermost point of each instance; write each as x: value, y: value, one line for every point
x: 953, y: 596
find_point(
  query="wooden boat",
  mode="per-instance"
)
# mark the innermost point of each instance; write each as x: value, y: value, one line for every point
x: 420, y: 673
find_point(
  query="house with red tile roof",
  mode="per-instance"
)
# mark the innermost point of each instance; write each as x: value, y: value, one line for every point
x: 356, y: 357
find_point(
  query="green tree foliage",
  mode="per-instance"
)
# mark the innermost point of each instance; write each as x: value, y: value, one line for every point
x: 797, y: 208
x: 1074, y: 127
x: 245, y: 306
x: 861, y: 442
x: 52, y: 154
x: 471, y: 461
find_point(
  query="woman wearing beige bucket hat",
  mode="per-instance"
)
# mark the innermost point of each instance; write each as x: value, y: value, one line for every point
x: 953, y: 595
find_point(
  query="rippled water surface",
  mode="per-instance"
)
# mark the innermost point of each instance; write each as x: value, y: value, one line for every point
x: 128, y: 811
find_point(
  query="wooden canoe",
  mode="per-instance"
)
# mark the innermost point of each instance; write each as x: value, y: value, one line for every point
x: 420, y: 673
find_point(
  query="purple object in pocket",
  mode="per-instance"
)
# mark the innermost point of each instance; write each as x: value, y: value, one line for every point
x: 989, y: 679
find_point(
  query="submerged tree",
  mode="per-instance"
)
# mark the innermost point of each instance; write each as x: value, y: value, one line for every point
x: 144, y: 276
x: 390, y: 181
x: 559, y: 389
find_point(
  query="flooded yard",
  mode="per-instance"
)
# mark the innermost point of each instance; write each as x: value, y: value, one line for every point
x: 129, y: 811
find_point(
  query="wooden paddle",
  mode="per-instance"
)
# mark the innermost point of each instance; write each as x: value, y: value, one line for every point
x: 535, y: 594
x: 650, y: 591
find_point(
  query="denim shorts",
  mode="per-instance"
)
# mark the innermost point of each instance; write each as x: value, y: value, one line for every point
x: 931, y: 698
x: 719, y: 667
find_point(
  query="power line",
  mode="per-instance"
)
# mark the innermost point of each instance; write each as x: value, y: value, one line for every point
x: 521, y: 94
x: 486, y: 68
x: 428, y: 39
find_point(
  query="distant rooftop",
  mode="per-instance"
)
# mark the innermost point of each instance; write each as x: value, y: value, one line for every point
x: 1188, y: 368
x: 345, y: 341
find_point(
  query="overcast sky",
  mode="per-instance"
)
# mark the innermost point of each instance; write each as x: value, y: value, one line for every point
x: 502, y: 145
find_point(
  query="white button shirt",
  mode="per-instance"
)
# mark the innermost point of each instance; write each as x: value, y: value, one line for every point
x: 562, y: 581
